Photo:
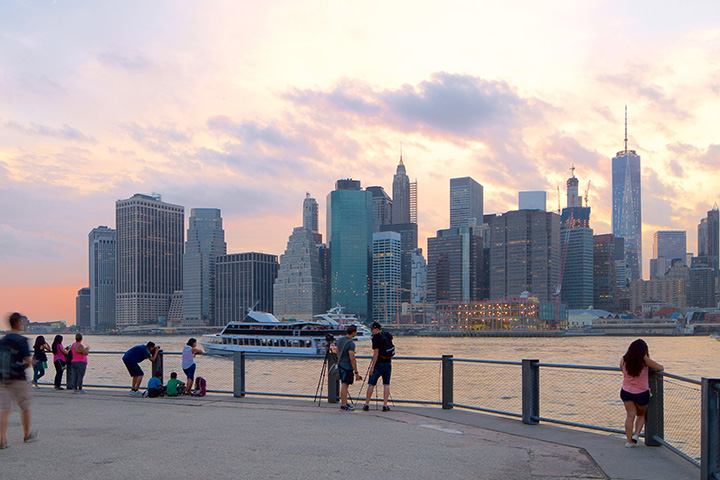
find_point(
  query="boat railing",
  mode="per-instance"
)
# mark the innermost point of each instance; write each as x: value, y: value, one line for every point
x: 683, y: 415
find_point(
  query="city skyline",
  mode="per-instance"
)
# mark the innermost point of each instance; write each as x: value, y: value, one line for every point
x: 245, y: 108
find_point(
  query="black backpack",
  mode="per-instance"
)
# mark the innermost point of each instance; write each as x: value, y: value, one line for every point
x: 387, y: 349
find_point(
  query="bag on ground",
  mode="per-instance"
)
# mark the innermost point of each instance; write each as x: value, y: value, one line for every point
x: 200, y: 387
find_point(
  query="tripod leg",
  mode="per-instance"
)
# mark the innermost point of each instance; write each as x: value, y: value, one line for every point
x: 318, y: 390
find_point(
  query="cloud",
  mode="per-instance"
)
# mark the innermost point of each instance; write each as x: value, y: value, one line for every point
x: 65, y: 132
x: 136, y: 62
x: 161, y: 139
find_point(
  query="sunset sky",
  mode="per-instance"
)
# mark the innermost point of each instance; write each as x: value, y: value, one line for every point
x: 245, y: 106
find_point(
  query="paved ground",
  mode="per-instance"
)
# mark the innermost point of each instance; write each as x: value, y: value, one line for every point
x: 108, y: 435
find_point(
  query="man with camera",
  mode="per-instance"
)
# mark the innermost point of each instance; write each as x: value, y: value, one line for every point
x: 347, y: 365
x: 132, y: 358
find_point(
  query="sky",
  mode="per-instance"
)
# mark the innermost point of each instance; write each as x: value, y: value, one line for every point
x: 246, y: 106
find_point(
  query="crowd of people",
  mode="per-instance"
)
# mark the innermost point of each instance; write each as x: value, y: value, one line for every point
x: 16, y: 357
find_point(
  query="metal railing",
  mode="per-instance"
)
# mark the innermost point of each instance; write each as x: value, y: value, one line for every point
x: 683, y: 414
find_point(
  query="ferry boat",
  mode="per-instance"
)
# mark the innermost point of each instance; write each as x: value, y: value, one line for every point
x: 262, y: 332
x: 338, y: 318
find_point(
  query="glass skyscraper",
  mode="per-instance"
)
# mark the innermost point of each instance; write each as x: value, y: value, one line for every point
x: 349, y: 232
x: 401, y: 195
x: 102, y: 244
x: 243, y: 281
x: 205, y: 242
x: 466, y: 202
x: 386, y: 276
x: 626, y: 203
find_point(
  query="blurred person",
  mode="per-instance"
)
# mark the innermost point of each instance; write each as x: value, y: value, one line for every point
x: 14, y: 388
x: 132, y: 359
x: 59, y: 360
x: 635, y: 391
x: 39, y: 359
x: 188, y: 362
x: 78, y: 363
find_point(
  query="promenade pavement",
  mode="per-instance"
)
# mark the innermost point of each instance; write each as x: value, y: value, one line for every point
x: 105, y: 434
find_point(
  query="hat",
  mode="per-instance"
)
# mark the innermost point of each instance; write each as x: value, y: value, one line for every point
x: 376, y: 325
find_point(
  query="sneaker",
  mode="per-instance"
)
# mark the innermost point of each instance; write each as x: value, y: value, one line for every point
x: 347, y: 408
x: 132, y: 393
x: 386, y: 408
x: 59, y: 388
x: 143, y: 394
x: 3, y: 445
x: 35, y: 385
x: 33, y: 437
x: 366, y: 408
x: 631, y: 445
x: 81, y: 392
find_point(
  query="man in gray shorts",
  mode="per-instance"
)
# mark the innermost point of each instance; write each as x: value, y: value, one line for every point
x: 14, y: 386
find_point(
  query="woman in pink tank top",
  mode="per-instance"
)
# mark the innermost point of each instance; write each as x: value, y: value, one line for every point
x: 635, y: 391
x: 78, y: 364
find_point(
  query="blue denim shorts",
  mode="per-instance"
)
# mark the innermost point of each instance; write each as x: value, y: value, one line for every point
x: 190, y: 371
x: 381, y: 370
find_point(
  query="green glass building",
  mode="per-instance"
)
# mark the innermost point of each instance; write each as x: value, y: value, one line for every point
x: 349, y: 231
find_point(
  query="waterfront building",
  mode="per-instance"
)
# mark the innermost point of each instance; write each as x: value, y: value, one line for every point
x: 576, y: 278
x: 604, y: 265
x: 419, y: 278
x: 382, y: 207
x: 626, y: 205
x: 101, y: 247
x: 386, y: 256
x: 150, y: 237
x: 709, y: 239
x: 454, y: 266
x: 524, y: 254
x: 520, y: 313
x: 702, y: 287
x: 401, y: 195
x: 667, y: 246
x: 466, y: 202
x: 243, y: 281
x: 534, y: 200
x: 349, y: 232
x: 205, y: 242
x: 299, y: 289
x: 672, y: 292
x: 409, y: 242
x: 82, y: 308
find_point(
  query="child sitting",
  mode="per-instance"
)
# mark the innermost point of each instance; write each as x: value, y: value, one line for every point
x: 174, y: 386
x: 155, y: 387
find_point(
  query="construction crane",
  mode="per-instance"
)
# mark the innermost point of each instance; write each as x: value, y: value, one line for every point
x: 587, y: 193
x: 558, y: 197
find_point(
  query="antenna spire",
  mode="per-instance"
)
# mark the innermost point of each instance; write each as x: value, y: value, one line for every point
x: 626, y: 129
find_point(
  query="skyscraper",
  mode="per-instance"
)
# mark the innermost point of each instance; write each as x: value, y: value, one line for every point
x: 532, y: 201
x: 626, y: 201
x: 401, y: 195
x: 102, y: 244
x: 576, y: 238
x: 349, y: 235
x: 466, y: 202
x: 604, y: 281
x: 149, y: 257
x: 82, y: 307
x: 386, y: 276
x: 667, y: 246
x: 299, y: 290
x: 455, y: 266
x: 709, y: 239
x: 408, y: 243
x: 243, y: 281
x: 205, y: 242
x: 310, y: 213
x: 382, y: 206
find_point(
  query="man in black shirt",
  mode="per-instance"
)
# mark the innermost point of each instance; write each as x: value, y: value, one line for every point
x: 15, y: 387
x: 380, y: 366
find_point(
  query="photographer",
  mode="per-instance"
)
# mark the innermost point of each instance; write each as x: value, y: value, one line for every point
x: 347, y: 365
x: 132, y: 359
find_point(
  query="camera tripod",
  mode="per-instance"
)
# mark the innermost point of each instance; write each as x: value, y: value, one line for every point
x: 329, y: 357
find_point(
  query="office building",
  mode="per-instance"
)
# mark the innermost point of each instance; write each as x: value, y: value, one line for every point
x: 604, y: 272
x: 349, y: 234
x: 299, y: 290
x: 667, y: 246
x: 454, y: 266
x: 150, y: 237
x: 386, y: 255
x: 243, y: 281
x: 419, y: 278
x: 310, y: 217
x: 532, y: 201
x: 82, y: 308
x: 626, y: 205
x: 709, y: 239
x: 382, y: 206
x: 409, y: 242
x: 466, y: 202
x: 525, y: 254
x: 205, y: 242
x: 702, y: 287
x: 401, y: 195
x: 101, y: 246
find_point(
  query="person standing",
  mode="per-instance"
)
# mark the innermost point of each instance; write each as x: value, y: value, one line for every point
x: 59, y: 356
x: 380, y: 365
x: 39, y: 359
x: 635, y: 391
x: 132, y: 359
x: 188, y: 362
x: 78, y: 363
x: 347, y: 365
x: 15, y: 388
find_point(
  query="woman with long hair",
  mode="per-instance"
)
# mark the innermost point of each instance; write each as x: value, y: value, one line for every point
x: 39, y: 359
x: 59, y: 360
x: 635, y: 391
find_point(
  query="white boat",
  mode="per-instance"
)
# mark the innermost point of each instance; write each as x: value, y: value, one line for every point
x: 262, y: 332
x: 338, y: 318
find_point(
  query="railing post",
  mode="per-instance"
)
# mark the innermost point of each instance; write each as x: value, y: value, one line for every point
x: 333, y: 383
x: 655, y: 420
x: 710, y: 429
x: 530, y: 391
x: 157, y: 365
x: 239, y: 374
x: 447, y: 382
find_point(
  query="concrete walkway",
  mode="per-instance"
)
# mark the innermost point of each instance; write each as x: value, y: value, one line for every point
x: 108, y: 435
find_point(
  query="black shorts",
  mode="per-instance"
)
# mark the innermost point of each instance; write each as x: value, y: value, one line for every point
x: 133, y: 369
x: 641, y: 399
x: 346, y: 376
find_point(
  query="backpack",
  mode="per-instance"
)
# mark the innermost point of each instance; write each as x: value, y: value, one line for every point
x: 200, y: 387
x: 387, y: 349
x: 5, y: 361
